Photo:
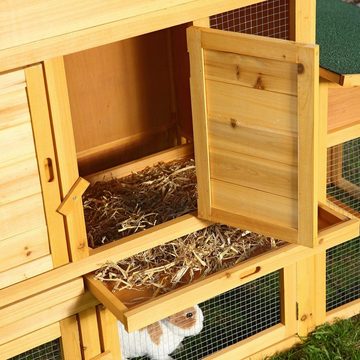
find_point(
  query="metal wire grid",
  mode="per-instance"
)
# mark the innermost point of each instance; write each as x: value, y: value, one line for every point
x: 233, y: 316
x: 342, y: 274
x: 269, y: 18
x: 48, y: 351
x: 343, y: 176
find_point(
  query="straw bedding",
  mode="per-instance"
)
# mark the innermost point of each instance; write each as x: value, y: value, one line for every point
x: 121, y: 207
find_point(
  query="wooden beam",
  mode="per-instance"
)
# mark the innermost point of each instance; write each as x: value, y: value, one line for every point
x: 70, y: 338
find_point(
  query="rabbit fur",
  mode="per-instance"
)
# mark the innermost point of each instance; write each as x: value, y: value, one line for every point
x: 160, y: 339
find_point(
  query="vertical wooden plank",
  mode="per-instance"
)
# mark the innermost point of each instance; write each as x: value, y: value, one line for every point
x: 308, y: 118
x: 66, y: 152
x: 89, y: 331
x: 320, y: 288
x: 198, y: 95
x: 302, y: 20
x: 70, y: 339
x: 288, y: 299
x: 109, y: 332
x: 323, y: 120
x: 306, y: 295
x: 47, y: 162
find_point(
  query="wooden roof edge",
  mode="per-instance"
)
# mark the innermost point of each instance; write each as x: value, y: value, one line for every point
x: 345, y: 80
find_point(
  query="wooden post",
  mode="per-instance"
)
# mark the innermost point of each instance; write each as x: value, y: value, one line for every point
x: 70, y: 338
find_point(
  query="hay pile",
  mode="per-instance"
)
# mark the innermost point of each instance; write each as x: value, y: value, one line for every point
x: 198, y: 254
x: 121, y: 207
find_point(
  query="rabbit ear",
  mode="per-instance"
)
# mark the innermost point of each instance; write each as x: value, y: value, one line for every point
x: 155, y: 331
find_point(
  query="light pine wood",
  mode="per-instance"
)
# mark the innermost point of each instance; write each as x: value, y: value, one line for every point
x: 252, y: 141
x: 101, y: 292
x: 115, y: 251
x: 274, y: 348
x: 70, y: 338
x: 308, y: 129
x: 343, y: 134
x: 303, y: 20
x: 14, y: 107
x: 256, y: 173
x: 248, y: 107
x: 258, y: 226
x: 21, y: 215
x: 89, y: 331
x: 30, y: 341
x: 11, y: 81
x: 24, y: 247
x: 107, y: 355
x: 25, y: 271
x: 48, y: 170
x: 16, y: 142
x: 201, y: 290
x: 92, y: 36
x: 306, y: 288
x: 344, y: 107
x: 350, y: 80
x: 19, y: 179
x: 338, y: 233
x: 288, y: 299
x: 66, y: 153
x: 252, y: 344
x: 255, y: 202
x: 251, y: 71
x: 46, y: 317
x: 320, y: 288
x: 198, y: 95
x: 41, y: 301
x: 109, y: 334
x: 323, y: 124
x: 204, y: 22
x: 176, y: 153
x: 345, y: 311
x: 73, y: 197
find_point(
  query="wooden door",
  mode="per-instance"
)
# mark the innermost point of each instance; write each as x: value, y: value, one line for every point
x: 254, y: 103
x: 32, y: 234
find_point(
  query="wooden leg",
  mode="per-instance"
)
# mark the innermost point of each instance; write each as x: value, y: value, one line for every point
x: 70, y: 338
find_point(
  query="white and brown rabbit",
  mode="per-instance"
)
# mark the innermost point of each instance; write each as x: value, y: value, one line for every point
x: 160, y: 339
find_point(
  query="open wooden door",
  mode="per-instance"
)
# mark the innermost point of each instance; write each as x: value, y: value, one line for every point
x: 255, y: 113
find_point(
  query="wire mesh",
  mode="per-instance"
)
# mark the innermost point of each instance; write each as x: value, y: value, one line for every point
x: 269, y: 18
x: 48, y: 351
x: 227, y: 319
x: 343, y: 176
x: 342, y: 274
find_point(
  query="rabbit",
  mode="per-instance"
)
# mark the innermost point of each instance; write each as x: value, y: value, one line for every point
x: 160, y: 339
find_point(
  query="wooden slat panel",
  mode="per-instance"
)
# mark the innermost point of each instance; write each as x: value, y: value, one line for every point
x: 254, y: 203
x: 13, y: 108
x: 253, y: 108
x: 344, y: 107
x: 25, y: 271
x: 249, y: 171
x: 23, y: 248
x: 250, y: 71
x: 250, y: 45
x: 21, y: 216
x: 30, y: 341
x: 41, y: 301
x: 19, y: 179
x: 253, y: 142
x: 12, y: 81
x: 16, y: 142
x: 46, y: 317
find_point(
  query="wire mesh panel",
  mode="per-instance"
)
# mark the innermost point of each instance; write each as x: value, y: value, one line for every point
x: 343, y: 176
x: 48, y: 351
x: 212, y: 325
x: 342, y: 274
x: 269, y: 18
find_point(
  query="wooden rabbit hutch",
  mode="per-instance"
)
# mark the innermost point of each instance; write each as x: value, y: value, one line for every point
x: 91, y: 91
